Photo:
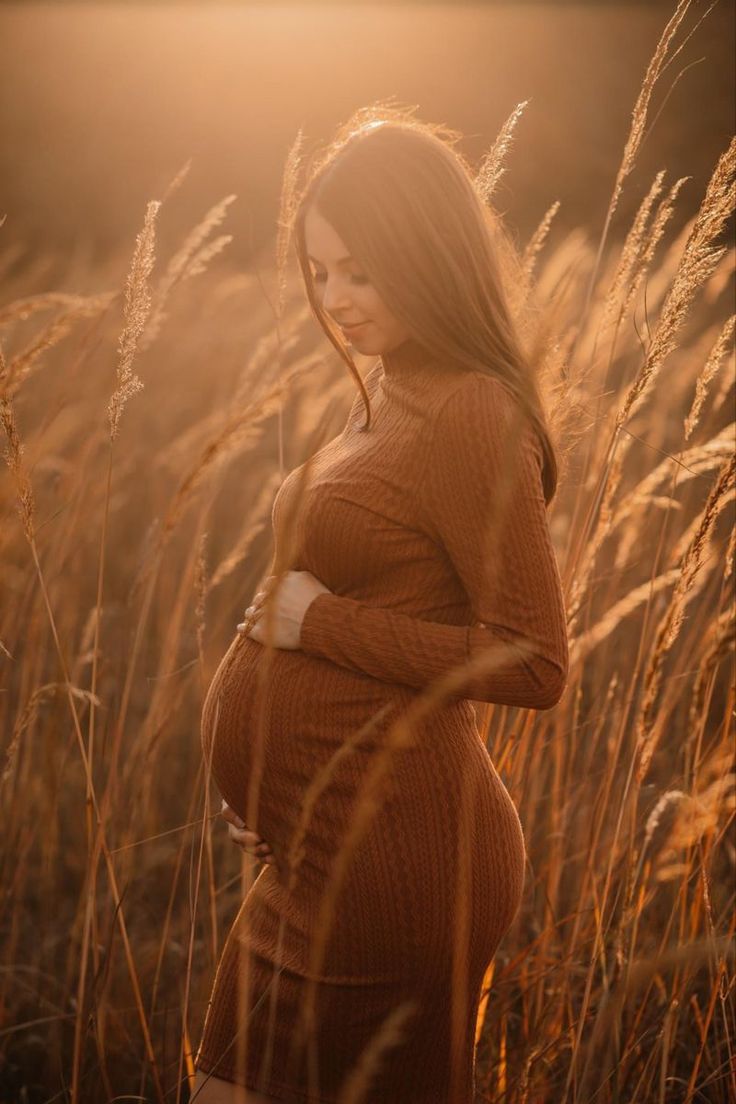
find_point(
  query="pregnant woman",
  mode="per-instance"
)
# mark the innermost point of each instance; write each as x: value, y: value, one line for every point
x: 412, y: 552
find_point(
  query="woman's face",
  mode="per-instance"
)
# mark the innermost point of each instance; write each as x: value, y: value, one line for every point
x: 345, y: 293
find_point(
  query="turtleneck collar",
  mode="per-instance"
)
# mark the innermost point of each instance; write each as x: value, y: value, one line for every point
x: 410, y: 356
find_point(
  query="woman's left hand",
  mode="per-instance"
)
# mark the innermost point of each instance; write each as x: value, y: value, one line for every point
x: 285, y: 606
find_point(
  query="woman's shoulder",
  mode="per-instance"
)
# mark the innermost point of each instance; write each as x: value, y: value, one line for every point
x: 477, y: 407
x: 475, y: 394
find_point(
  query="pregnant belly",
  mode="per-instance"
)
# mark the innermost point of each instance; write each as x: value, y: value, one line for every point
x: 286, y: 733
x: 272, y: 721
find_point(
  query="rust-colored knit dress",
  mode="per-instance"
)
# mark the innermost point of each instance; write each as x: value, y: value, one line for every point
x: 403, y: 524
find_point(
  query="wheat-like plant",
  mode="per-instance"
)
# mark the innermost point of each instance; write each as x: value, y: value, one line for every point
x: 492, y: 166
x: 137, y: 309
x: 125, y: 569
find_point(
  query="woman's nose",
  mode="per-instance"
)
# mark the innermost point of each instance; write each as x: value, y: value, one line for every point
x: 336, y: 297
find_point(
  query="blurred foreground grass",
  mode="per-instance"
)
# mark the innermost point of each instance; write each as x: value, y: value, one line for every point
x: 141, y: 532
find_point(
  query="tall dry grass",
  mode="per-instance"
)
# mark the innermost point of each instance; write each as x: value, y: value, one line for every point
x: 147, y: 431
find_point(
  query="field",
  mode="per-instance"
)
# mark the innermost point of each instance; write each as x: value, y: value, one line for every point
x: 148, y: 422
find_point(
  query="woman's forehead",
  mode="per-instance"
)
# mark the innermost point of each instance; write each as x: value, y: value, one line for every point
x: 323, y: 240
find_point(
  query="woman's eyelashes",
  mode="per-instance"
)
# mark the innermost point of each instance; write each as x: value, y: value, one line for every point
x: 320, y: 277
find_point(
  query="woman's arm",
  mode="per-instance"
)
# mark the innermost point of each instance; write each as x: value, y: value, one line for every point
x: 482, y: 498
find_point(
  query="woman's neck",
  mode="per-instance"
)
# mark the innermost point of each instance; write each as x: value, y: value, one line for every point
x: 409, y: 356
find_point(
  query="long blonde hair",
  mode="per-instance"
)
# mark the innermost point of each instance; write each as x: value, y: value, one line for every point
x: 405, y: 203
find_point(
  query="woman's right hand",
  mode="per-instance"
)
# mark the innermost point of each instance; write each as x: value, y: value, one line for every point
x: 244, y: 837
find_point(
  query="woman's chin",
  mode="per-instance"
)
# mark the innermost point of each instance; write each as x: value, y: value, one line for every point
x: 365, y: 345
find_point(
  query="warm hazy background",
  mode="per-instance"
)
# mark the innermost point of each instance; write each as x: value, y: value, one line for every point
x: 100, y: 104
x: 131, y: 562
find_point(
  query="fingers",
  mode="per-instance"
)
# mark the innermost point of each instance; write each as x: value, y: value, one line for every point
x: 255, y: 608
x: 246, y: 838
x: 251, y: 616
x: 252, y: 843
x: 259, y: 598
x: 230, y: 815
x: 249, y: 623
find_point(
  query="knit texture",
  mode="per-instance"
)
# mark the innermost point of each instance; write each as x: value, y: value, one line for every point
x: 430, y: 531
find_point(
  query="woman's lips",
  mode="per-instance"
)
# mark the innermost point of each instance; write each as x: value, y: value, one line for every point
x: 352, y: 329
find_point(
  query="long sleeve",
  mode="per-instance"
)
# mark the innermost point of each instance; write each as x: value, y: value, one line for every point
x: 482, y: 500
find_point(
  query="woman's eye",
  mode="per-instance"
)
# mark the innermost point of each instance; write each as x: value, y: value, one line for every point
x: 320, y: 277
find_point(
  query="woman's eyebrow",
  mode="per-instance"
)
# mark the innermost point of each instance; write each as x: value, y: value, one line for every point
x: 341, y: 260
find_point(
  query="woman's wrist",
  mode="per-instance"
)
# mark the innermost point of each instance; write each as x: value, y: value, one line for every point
x: 310, y: 620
